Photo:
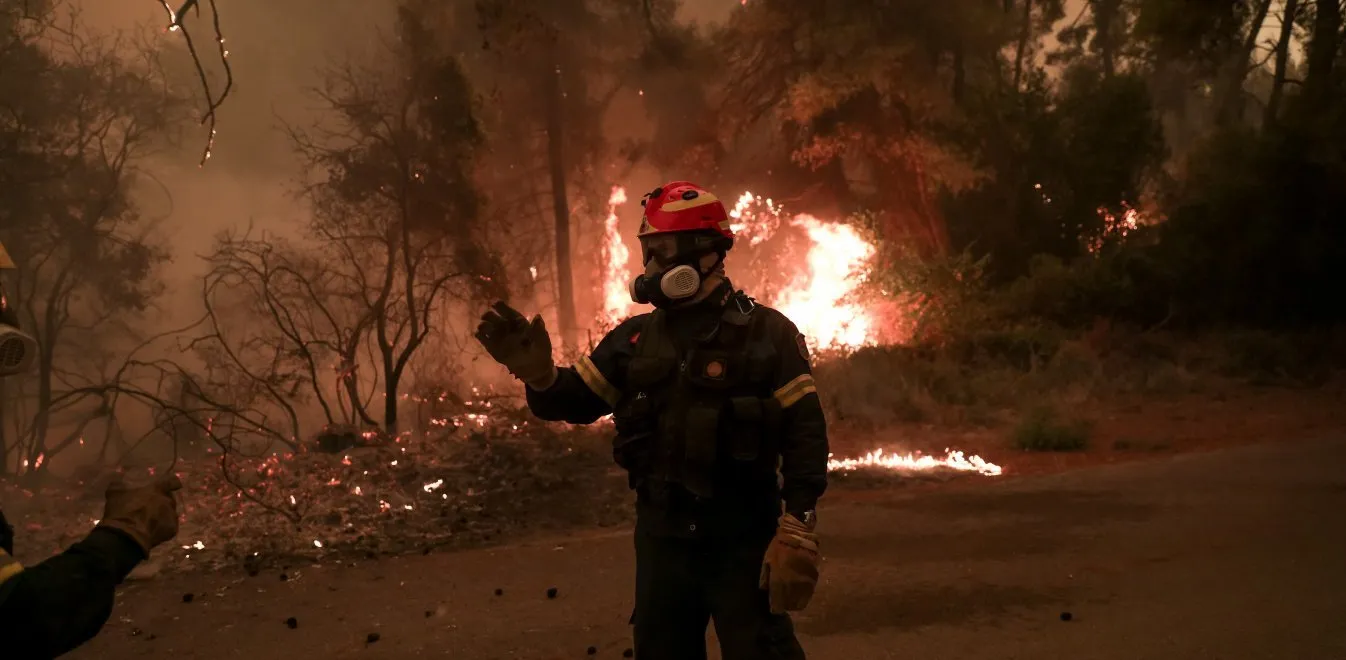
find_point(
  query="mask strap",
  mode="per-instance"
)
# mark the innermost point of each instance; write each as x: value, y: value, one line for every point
x: 719, y: 261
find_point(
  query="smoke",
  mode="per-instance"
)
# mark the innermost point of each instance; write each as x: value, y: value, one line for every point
x: 277, y: 51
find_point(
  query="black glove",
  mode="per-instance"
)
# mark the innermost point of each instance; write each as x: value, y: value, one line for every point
x: 523, y: 346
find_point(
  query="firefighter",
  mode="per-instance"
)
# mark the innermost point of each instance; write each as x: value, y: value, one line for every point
x: 52, y: 607
x: 719, y: 428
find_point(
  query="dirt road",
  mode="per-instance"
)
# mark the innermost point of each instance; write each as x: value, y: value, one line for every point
x: 1227, y: 555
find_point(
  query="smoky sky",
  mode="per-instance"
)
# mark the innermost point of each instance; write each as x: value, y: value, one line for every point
x: 278, y: 50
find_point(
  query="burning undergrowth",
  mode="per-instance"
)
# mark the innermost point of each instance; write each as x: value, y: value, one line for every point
x: 476, y: 479
x: 475, y: 482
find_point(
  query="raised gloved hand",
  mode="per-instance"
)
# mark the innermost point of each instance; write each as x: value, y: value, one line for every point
x: 523, y: 346
x: 148, y: 513
x: 790, y: 568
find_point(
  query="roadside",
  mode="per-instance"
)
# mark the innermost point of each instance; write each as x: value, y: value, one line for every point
x: 1120, y: 430
x: 1230, y: 554
x: 490, y: 488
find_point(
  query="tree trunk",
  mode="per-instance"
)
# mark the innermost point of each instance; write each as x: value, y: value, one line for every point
x: 1229, y: 93
x: 1106, y: 13
x: 42, y: 420
x: 4, y: 433
x: 1322, y: 52
x: 390, y: 389
x: 1282, y: 60
x: 565, y: 293
x: 1025, y: 32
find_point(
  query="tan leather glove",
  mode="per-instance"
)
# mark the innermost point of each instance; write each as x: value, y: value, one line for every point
x: 148, y: 513
x: 523, y: 346
x: 790, y: 568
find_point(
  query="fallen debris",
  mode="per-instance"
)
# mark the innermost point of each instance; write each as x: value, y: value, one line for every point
x: 477, y: 479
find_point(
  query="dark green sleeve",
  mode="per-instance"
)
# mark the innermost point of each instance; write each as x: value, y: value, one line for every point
x: 804, y: 447
x: 51, y: 608
x: 591, y: 388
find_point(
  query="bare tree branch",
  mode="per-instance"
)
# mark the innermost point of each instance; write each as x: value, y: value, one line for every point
x: 213, y: 102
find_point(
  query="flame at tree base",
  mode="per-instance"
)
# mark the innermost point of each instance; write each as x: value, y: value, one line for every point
x: 953, y: 460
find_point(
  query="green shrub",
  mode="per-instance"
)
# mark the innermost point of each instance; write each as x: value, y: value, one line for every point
x: 1042, y: 430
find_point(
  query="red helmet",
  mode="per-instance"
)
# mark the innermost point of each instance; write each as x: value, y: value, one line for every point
x: 682, y: 206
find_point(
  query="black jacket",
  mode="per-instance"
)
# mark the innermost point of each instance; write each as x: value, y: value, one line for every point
x: 592, y: 388
x: 52, y: 607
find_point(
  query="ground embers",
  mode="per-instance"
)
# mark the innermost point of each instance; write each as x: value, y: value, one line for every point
x: 499, y: 474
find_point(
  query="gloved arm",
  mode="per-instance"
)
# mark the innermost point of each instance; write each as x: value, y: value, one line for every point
x: 51, y: 608
x: 790, y: 567
x: 591, y: 388
x: 804, y: 448
x: 579, y: 394
x: 568, y: 399
x: 48, y: 609
x: 521, y: 345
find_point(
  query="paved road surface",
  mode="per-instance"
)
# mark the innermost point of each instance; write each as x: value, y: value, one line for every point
x: 1232, y: 555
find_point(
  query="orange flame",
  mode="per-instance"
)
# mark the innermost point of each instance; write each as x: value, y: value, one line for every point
x: 616, y: 299
x: 806, y: 268
x: 816, y: 296
x: 953, y: 460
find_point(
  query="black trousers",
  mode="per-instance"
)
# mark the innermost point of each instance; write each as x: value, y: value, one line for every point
x: 683, y: 584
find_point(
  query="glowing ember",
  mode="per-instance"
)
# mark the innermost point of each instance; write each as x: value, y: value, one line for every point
x: 754, y: 224
x: 1116, y: 227
x: 616, y: 300
x: 953, y: 460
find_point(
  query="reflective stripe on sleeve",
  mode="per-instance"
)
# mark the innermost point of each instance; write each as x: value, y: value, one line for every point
x: 9, y: 566
x: 596, y: 382
x: 795, y: 390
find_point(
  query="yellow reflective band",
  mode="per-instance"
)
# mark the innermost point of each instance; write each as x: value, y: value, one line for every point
x: 596, y: 382
x: 683, y: 204
x: 795, y: 390
x: 9, y: 566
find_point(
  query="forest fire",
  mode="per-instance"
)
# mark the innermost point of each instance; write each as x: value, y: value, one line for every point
x: 616, y: 300
x: 817, y: 295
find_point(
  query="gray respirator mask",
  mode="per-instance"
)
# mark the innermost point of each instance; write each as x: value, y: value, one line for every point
x: 680, y: 275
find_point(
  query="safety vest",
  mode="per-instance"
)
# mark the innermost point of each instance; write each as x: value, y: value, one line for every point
x: 697, y: 408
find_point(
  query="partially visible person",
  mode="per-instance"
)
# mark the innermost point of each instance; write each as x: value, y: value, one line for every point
x: 51, y: 608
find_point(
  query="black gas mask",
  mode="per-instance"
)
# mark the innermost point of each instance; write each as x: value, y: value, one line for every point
x: 680, y: 273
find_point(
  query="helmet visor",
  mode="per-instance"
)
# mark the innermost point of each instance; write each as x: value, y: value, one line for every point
x: 675, y: 247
